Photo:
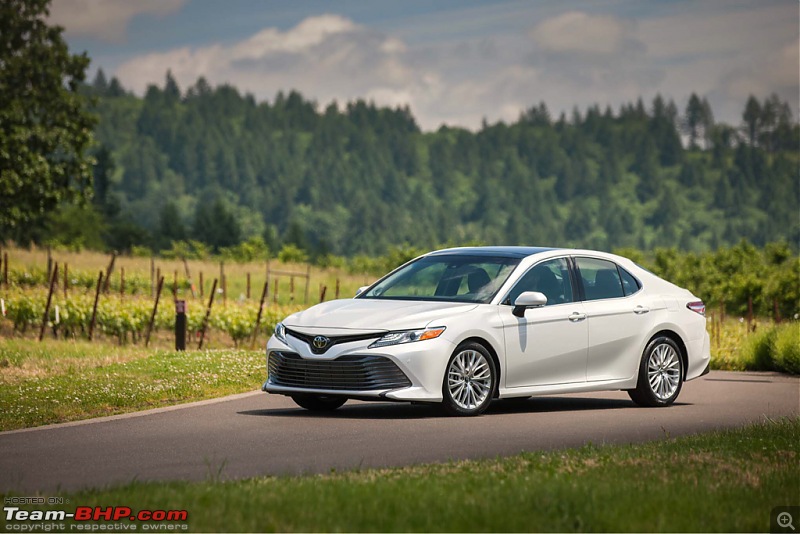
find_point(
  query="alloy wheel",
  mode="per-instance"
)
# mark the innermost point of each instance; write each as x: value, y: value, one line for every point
x: 469, y: 379
x: 664, y: 371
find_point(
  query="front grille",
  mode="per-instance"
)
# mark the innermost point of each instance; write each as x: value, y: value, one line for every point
x: 333, y: 340
x: 353, y: 373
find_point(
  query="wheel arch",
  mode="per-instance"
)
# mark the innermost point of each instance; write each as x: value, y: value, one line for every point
x: 493, y: 353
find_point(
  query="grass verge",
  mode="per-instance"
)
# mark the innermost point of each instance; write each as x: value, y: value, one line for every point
x: 720, y: 481
x: 58, y: 381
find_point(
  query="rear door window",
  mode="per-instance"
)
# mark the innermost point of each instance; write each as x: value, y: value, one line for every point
x: 600, y: 279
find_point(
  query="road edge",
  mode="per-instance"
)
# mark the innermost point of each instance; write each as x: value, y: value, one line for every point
x: 130, y: 415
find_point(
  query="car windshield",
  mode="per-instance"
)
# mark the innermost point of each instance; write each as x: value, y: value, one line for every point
x: 449, y: 278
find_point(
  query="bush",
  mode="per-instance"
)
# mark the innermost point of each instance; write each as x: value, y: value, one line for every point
x: 292, y: 254
x: 253, y: 249
x: 759, y: 349
x: 787, y: 348
x: 775, y: 348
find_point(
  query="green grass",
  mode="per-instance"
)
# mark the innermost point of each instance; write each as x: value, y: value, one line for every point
x: 721, y: 481
x: 58, y: 381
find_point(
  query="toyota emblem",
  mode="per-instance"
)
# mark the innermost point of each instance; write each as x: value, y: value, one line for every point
x: 320, y: 342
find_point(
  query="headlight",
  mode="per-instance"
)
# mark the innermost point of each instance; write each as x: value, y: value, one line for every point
x: 408, y: 336
x: 280, y: 332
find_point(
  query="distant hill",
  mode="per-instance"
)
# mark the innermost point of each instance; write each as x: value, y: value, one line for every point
x: 215, y: 165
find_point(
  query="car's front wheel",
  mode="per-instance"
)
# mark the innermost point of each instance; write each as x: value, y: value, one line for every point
x: 469, y: 381
x: 318, y: 403
x: 660, y: 374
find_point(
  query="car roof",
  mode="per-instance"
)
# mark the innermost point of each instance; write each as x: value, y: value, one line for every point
x: 502, y: 252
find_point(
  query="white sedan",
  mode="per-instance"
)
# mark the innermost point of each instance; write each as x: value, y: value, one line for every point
x: 463, y: 326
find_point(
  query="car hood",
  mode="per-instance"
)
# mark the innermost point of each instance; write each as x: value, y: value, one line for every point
x: 373, y: 315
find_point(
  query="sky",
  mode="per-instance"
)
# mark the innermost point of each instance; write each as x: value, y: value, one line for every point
x: 454, y: 62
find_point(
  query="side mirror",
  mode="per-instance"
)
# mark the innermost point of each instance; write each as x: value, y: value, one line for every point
x: 361, y: 290
x: 528, y: 299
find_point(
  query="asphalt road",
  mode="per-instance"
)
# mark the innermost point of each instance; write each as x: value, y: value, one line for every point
x: 259, y: 434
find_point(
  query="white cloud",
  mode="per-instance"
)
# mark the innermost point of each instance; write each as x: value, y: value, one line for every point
x: 575, y: 31
x: 309, y: 33
x: 566, y: 59
x: 326, y: 57
x: 105, y: 19
x: 727, y: 54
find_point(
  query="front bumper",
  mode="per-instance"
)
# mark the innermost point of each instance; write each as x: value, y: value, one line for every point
x: 422, y: 362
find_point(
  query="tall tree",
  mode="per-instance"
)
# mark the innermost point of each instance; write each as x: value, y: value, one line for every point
x: 751, y: 118
x: 45, y: 127
x: 693, y: 119
x: 100, y: 83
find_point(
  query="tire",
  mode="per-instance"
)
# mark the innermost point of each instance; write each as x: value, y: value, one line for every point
x: 660, y: 374
x: 318, y: 403
x: 470, y: 380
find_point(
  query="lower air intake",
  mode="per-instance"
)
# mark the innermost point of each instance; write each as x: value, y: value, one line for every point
x: 347, y: 373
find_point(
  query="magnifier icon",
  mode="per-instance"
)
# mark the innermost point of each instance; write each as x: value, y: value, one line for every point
x: 785, y: 520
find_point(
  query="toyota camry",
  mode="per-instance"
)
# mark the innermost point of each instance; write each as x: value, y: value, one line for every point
x: 464, y: 326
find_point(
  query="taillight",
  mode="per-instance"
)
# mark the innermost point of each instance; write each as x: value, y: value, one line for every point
x: 697, y: 307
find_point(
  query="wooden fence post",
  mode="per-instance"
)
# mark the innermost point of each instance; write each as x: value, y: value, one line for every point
x: 109, y: 271
x: 49, y: 299
x: 337, y: 289
x: 66, y: 279
x: 248, y: 286
x: 122, y: 281
x: 291, y: 289
x: 175, y: 284
x: 155, y: 310
x: 152, y: 276
x: 5, y: 269
x: 275, y: 292
x: 49, y: 264
x: 322, y: 292
x: 208, y: 313
x: 201, y: 284
x: 94, y: 308
x: 260, y: 311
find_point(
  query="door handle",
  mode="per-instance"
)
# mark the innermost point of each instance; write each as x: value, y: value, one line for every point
x: 575, y: 317
x: 639, y: 310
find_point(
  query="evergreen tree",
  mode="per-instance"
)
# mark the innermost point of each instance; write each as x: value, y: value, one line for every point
x: 752, y: 118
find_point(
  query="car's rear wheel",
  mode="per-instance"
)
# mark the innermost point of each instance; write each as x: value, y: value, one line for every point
x: 318, y: 403
x: 660, y: 374
x: 469, y: 381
